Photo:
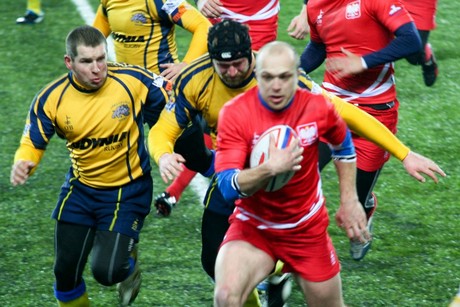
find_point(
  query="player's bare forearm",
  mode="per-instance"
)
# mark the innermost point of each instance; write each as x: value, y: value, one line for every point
x: 350, y: 216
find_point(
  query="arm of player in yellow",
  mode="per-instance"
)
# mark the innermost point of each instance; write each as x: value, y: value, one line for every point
x: 163, y: 135
x: 101, y: 22
x: 27, y: 152
x: 368, y: 127
x: 194, y: 22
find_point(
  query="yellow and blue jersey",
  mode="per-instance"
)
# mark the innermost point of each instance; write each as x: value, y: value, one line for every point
x: 199, y: 90
x: 144, y: 30
x: 103, y: 128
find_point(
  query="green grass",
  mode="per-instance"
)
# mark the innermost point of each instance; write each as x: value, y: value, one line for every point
x: 415, y: 258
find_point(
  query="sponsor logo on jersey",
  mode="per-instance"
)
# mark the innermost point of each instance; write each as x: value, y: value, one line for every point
x: 110, y: 142
x: 139, y: 18
x: 319, y: 19
x: 68, y: 124
x: 170, y: 5
x: 308, y: 133
x: 394, y: 9
x: 158, y: 80
x: 121, y: 112
x: 127, y: 39
x: 353, y: 10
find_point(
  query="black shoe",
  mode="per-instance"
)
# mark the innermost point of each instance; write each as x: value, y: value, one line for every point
x: 430, y: 67
x: 164, y: 204
x: 278, y: 290
x: 30, y: 18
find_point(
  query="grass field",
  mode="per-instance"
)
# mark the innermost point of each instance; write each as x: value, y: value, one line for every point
x: 415, y: 258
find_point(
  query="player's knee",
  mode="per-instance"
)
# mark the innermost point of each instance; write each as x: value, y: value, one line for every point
x: 109, y: 275
x: 225, y: 296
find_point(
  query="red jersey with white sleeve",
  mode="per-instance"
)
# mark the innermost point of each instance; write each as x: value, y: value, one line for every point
x: 261, y: 16
x: 311, y: 116
x: 423, y: 12
x: 361, y: 27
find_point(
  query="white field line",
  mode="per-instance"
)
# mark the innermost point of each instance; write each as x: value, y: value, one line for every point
x: 199, y: 184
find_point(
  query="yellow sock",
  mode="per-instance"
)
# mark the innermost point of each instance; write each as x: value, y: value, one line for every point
x: 34, y: 6
x: 82, y: 301
x: 455, y: 302
x: 278, y: 268
x: 253, y: 299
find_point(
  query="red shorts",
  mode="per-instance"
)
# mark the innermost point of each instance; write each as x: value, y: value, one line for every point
x: 306, y: 250
x: 371, y: 157
x: 423, y: 12
x: 261, y: 31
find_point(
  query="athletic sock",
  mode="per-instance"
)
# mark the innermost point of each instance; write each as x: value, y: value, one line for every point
x: 34, y: 6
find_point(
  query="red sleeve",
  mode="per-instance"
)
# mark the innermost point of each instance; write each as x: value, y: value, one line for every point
x: 390, y: 13
x: 232, y: 147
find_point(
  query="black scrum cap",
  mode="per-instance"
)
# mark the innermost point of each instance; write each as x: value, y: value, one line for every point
x: 229, y: 40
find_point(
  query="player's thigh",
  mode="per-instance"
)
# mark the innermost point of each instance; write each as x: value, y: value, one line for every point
x: 242, y: 265
x: 324, y: 293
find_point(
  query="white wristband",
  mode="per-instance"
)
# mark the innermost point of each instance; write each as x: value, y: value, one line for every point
x: 363, y: 63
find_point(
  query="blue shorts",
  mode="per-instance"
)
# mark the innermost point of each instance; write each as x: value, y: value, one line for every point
x: 120, y: 209
x: 214, y: 200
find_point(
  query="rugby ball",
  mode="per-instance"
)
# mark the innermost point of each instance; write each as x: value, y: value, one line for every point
x: 283, y: 136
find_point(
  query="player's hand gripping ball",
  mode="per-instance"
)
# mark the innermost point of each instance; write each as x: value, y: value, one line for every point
x: 283, y: 135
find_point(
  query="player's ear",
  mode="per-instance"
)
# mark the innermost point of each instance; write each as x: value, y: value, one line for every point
x: 68, y: 61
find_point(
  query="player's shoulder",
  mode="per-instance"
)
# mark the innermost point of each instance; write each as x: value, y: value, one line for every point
x: 197, y: 73
x: 120, y: 67
x: 305, y: 82
x: 124, y: 69
x: 55, y: 86
x: 126, y: 72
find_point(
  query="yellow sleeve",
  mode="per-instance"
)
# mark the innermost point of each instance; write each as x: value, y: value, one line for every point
x: 194, y: 22
x: 29, y: 153
x: 101, y: 22
x: 163, y: 135
x: 368, y: 127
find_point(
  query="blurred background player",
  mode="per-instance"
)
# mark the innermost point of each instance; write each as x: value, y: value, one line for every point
x: 33, y: 15
x: 260, y: 16
x: 424, y: 14
x: 144, y: 34
x: 359, y: 69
